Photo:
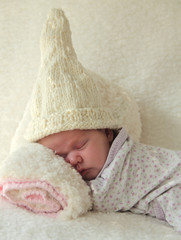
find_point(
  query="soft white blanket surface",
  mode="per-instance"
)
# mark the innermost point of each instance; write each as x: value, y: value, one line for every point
x: 136, y: 43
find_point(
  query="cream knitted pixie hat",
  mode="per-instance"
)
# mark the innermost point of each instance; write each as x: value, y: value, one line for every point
x: 66, y: 96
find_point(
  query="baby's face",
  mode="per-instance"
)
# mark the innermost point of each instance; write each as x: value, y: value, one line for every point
x: 85, y: 150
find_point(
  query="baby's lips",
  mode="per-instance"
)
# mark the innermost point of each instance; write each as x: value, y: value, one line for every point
x: 79, y: 168
x: 83, y: 172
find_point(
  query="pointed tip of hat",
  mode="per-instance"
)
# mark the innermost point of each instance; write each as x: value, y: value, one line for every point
x: 56, y: 30
x: 56, y: 19
x: 55, y: 12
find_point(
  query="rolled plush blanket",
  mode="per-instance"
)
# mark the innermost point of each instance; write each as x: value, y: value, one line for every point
x: 36, y: 179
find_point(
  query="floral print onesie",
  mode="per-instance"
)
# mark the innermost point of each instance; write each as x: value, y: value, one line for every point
x: 140, y: 178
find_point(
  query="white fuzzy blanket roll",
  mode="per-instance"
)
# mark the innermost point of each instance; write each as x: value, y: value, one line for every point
x: 36, y: 179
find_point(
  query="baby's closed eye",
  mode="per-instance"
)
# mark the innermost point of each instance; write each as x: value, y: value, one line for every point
x: 81, y: 145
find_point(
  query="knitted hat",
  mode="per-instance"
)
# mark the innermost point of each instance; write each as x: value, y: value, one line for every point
x: 66, y: 96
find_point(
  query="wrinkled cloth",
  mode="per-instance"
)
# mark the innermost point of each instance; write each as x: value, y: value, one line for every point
x: 142, y: 179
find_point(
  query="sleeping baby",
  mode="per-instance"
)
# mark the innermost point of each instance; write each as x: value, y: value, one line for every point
x: 95, y: 126
x: 122, y: 174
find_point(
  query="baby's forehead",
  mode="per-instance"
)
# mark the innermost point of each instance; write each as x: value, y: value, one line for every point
x: 77, y: 135
x: 71, y: 135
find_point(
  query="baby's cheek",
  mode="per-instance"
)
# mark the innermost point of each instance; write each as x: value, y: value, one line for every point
x: 101, y: 159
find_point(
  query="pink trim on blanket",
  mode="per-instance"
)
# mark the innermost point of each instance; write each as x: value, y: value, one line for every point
x: 37, y: 196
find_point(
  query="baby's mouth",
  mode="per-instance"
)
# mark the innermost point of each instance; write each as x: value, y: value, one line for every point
x: 83, y: 172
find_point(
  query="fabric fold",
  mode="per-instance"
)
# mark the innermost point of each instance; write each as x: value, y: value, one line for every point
x: 36, y: 196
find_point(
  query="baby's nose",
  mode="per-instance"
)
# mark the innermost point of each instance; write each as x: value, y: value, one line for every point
x: 74, y: 159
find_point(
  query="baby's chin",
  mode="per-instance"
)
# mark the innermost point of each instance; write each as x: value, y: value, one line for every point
x: 89, y: 174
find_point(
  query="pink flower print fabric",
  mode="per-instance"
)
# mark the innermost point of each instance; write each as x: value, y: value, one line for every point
x: 143, y: 179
